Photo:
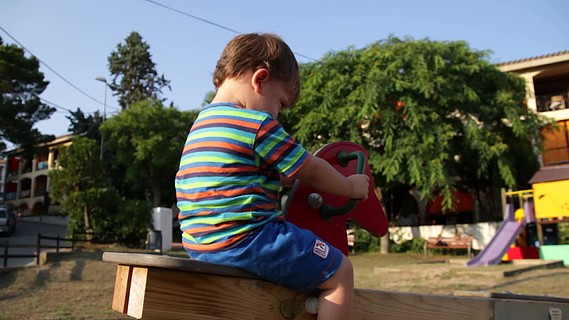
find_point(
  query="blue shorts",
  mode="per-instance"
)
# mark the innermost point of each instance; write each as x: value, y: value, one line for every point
x: 282, y: 253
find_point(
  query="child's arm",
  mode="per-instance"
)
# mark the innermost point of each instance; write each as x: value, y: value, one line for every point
x: 287, y: 182
x: 319, y: 174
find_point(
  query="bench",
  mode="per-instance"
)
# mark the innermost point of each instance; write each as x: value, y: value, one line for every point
x: 463, y: 242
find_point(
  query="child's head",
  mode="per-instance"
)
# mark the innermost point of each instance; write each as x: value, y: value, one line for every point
x: 253, y: 51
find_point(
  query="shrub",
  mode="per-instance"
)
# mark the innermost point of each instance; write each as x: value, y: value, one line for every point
x: 413, y: 245
x: 563, y: 233
x: 365, y: 241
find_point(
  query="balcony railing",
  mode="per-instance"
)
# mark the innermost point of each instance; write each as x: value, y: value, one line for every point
x: 552, y: 102
x: 39, y: 193
x: 25, y: 194
x: 10, y: 196
x: 42, y: 165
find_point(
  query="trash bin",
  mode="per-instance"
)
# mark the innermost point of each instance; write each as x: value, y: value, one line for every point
x: 154, y: 240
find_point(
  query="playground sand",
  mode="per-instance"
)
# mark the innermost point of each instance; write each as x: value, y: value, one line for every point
x: 446, y: 275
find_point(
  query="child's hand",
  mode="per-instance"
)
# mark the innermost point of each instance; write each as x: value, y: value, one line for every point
x: 360, y: 186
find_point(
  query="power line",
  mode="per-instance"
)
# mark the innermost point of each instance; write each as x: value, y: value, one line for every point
x: 193, y: 16
x: 50, y: 68
x: 215, y: 24
x: 57, y: 106
x: 54, y: 105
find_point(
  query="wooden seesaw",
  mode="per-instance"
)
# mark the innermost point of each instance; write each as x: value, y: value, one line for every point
x: 164, y: 287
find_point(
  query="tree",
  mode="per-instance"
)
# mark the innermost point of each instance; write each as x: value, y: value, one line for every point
x: 79, y: 184
x: 431, y: 114
x: 134, y: 73
x: 147, y: 141
x: 88, y: 126
x: 208, y: 98
x: 21, y: 84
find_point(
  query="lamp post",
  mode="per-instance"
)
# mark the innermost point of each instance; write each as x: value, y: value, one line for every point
x: 102, y: 79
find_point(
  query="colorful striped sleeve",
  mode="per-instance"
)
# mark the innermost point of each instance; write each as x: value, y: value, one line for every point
x: 278, y: 149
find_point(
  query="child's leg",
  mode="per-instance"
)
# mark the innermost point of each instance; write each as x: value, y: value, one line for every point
x: 336, y: 297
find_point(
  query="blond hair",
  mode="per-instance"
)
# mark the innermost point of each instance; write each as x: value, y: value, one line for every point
x: 253, y: 51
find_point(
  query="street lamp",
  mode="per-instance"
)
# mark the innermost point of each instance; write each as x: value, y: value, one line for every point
x: 102, y: 79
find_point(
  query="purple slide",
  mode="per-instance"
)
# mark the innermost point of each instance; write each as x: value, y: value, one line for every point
x: 498, y: 246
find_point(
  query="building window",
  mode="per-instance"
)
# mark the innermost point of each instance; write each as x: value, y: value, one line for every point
x: 556, y: 144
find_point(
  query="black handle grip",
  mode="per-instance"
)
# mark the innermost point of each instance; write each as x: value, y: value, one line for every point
x: 328, y: 211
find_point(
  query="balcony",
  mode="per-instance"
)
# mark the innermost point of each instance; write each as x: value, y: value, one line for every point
x: 42, y: 165
x: 12, y: 173
x: 24, y: 194
x: 552, y: 102
x: 10, y: 196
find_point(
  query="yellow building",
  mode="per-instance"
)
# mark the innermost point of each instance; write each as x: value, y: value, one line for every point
x: 27, y: 182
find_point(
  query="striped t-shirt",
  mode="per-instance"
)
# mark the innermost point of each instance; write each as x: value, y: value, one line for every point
x: 229, y: 176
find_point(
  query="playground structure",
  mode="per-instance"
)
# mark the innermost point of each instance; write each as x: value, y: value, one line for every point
x: 530, y: 232
x: 162, y: 287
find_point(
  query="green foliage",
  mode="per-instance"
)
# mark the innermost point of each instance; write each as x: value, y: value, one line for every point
x: 132, y: 221
x: 101, y: 204
x: 563, y: 233
x: 365, y: 241
x: 146, y: 142
x: 88, y: 126
x: 429, y: 114
x: 81, y: 169
x: 414, y: 245
x: 208, y: 98
x: 115, y: 218
x: 134, y: 73
x: 79, y: 184
x: 21, y: 84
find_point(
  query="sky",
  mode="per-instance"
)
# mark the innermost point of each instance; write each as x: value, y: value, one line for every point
x: 74, y: 38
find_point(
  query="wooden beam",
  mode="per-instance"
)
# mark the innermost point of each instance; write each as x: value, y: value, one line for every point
x: 122, y: 288
x: 158, y: 293
x: 190, y: 290
x: 376, y: 304
x: 137, y: 294
x: 174, y: 294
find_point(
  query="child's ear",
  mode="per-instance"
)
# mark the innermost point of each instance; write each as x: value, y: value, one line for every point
x: 259, y: 77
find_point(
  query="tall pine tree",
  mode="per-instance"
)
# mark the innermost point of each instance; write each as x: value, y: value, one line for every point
x: 134, y: 73
x: 21, y: 84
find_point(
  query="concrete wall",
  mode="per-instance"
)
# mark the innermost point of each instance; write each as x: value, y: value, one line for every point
x: 482, y: 232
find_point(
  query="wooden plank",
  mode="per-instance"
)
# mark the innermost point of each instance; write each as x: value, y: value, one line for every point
x: 137, y: 293
x: 375, y: 304
x: 174, y: 263
x: 122, y: 288
x: 174, y: 294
